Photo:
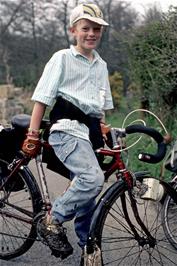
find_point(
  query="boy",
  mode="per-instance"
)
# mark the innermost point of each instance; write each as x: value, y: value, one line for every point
x: 78, y: 78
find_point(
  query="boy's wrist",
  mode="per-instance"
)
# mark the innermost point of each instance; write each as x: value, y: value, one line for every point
x: 33, y: 133
x: 33, y: 130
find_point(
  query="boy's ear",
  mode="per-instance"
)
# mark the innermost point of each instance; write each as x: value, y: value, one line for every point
x: 71, y: 30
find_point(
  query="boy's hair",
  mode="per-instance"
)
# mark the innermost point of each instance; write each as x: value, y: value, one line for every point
x: 87, y: 11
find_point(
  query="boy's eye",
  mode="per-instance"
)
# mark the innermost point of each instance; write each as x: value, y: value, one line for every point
x: 97, y: 29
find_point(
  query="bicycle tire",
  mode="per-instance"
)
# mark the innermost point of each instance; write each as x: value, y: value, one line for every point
x: 18, y: 206
x: 169, y: 216
x: 116, y: 239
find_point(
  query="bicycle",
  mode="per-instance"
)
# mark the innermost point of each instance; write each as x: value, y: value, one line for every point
x: 123, y: 230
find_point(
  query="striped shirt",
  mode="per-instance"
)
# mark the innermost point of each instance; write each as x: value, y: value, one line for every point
x: 84, y: 83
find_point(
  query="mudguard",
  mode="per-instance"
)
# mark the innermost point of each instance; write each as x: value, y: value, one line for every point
x: 102, y: 207
x: 24, y: 170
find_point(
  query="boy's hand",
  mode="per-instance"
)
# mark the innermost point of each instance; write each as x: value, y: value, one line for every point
x: 31, y: 147
x: 105, y: 129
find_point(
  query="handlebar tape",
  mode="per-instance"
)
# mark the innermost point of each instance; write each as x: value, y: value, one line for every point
x: 161, y: 146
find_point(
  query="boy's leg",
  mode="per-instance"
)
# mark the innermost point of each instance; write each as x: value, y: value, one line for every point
x: 78, y: 156
x: 82, y: 225
x: 79, y: 199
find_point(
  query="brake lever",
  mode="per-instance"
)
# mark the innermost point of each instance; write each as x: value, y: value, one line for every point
x: 115, y: 134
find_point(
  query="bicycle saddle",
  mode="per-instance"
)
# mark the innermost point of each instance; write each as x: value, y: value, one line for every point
x: 23, y: 121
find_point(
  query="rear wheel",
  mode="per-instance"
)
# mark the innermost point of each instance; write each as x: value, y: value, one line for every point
x: 125, y: 244
x: 169, y: 216
x: 19, y: 203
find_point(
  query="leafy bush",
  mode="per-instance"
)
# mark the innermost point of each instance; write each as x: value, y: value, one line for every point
x: 116, y: 84
x: 153, y: 53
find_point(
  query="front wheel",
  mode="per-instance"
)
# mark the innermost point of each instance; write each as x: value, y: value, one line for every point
x: 169, y: 216
x: 120, y: 237
x: 19, y: 203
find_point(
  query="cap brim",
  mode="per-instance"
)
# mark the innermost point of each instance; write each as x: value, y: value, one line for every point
x: 99, y: 21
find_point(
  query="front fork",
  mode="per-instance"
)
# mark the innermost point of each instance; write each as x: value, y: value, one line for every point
x: 170, y: 190
x: 130, y: 180
x: 141, y: 240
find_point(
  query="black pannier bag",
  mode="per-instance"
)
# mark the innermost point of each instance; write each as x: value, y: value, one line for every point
x: 11, y: 140
x: 10, y: 143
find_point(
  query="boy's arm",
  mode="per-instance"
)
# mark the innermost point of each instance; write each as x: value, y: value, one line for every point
x: 104, y: 127
x: 37, y: 115
x: 31, y: 145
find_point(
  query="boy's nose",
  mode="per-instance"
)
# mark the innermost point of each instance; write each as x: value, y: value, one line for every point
x: 91, y: 32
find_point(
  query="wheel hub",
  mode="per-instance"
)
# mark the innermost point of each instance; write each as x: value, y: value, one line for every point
x: 147, y: 241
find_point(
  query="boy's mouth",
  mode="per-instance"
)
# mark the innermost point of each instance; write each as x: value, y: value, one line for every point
x: 91, y: 40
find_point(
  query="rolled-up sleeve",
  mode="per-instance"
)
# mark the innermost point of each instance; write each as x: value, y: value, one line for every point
x: 49, y: 83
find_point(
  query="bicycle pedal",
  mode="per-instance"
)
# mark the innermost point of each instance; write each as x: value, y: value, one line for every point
x: 37, y: 221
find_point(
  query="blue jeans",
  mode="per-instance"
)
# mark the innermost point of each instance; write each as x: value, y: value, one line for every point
x: 87, y: 182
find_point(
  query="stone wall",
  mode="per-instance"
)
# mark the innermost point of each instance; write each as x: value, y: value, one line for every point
x: 10, y: 102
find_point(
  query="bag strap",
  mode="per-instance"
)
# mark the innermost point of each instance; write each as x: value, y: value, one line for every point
x: 65, y: 109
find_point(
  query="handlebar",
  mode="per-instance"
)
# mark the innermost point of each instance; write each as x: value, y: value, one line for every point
x: 160, y: 140
x: 161, y: 145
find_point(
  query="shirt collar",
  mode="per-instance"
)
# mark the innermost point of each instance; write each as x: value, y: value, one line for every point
x: 76, y: 53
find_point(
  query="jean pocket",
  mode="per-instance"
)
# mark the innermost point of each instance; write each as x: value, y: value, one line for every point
x: 63, y: 145
x: 66, y: 149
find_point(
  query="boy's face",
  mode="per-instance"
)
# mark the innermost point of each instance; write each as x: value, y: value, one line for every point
x: 87, y: 35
